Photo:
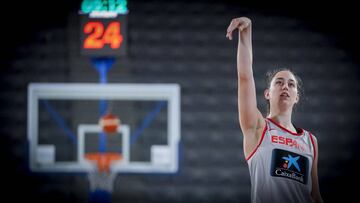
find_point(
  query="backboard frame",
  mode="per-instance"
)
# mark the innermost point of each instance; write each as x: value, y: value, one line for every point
x: 123, y: 91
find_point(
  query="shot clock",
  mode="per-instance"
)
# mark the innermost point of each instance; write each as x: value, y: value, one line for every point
x: 103, y: 29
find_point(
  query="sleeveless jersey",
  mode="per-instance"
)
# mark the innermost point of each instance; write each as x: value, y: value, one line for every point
x: 280, y: 166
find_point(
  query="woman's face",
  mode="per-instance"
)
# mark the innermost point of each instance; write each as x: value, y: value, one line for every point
x: 283, y: 90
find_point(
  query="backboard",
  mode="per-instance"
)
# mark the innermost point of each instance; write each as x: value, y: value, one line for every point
x: 63, y: 126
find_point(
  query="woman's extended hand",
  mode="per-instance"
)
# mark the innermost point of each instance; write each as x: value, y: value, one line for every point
x: 241, y: 23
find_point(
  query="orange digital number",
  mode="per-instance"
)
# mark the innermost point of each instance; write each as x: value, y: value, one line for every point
x: 112, y: 35
x: 98, y: 37
x: 93, y: 41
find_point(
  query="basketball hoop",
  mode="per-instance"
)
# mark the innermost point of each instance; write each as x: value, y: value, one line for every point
x: 101, y: 178
x: 109, y: 123
x: 103, y: 160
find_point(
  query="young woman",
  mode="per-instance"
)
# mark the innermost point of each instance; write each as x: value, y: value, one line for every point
x: 282, y: 158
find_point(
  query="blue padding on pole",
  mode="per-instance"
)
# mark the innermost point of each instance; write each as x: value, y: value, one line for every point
x: 102, y: 142
x: 103, y: 66
x: 103, y: 107
x: 59, y: 121
x: 100, y: 196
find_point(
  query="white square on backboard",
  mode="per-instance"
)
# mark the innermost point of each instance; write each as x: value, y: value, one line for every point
x: 160, y: 155
x: 45, y: 154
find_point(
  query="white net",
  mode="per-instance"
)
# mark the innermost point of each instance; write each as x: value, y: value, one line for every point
x: 101, y: 180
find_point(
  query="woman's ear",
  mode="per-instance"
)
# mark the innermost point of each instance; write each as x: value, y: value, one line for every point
x: 297, y: 98
x: 267, y: 94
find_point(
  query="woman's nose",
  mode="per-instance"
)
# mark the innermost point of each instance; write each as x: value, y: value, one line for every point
x: 285, y: 86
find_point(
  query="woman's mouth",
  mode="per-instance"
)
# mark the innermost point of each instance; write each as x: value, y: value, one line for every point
x: 284, y: 94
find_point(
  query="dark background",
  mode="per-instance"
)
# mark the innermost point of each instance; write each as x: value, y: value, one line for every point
x: 330, y: 107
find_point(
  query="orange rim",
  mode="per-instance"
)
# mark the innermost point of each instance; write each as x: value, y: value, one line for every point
x: 103, y: 160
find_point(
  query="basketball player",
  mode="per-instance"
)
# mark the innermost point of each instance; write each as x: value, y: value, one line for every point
x: 282, y: 158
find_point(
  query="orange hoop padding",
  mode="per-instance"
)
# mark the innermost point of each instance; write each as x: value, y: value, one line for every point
x: 103, y: 160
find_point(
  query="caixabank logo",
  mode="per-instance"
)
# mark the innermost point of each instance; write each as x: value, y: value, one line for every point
x: 290, y: 165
